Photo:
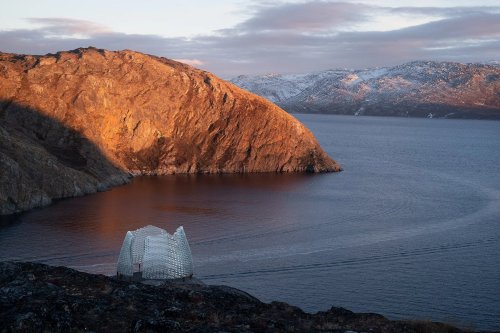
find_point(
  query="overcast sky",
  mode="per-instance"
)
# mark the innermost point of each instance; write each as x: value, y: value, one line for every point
x: 255, y: 37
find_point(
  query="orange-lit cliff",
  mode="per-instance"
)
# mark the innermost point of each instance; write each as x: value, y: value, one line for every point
x: 76, y: 122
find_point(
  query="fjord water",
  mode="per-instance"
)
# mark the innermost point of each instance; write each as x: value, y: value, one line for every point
x: 410, y: 229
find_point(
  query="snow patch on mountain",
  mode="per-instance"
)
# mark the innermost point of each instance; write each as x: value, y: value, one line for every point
x: 417, y: 88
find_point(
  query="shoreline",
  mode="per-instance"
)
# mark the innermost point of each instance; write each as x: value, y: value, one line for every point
x: 38, y: 297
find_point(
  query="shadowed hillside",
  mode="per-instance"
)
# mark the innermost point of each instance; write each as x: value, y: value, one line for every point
x: 41, y: 160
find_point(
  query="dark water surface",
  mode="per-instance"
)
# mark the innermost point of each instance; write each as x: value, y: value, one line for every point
x: 410, y: 229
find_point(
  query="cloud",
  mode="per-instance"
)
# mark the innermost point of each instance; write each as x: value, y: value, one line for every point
x: 443, y: 11
x: 461, y: 37
x: 192, y: 62
x: 306, y: 17
x: 279, y: 39
x: 56, y: 34
x: 476, y: 25
x: 63, y: 26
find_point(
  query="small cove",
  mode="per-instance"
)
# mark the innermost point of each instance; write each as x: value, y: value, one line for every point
x: 410, y: 229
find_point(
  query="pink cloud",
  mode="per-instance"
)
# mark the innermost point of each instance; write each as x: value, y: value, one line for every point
x: 191, y: 62
x: 66, y: 26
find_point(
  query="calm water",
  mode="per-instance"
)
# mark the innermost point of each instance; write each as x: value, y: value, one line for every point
x: 410, y: 229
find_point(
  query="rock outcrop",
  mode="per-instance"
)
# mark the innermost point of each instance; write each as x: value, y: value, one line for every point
x: 40, y: 298
x: 76, y: 122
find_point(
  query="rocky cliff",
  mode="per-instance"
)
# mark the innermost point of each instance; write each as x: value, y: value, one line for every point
x: 76, y: 122
x: 414, y: 89
x: 39, y: 298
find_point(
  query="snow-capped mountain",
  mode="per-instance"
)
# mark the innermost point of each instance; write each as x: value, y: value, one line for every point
x: 418, y: 88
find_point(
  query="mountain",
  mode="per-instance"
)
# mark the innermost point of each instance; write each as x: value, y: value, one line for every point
x: 76, y: 122
x: 416, y: 89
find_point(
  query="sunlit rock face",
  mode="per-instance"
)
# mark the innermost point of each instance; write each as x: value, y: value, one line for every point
x: 80, y: 121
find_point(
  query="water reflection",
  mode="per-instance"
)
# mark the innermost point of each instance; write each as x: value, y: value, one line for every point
x: 94, y: 225
x: 6, y: 220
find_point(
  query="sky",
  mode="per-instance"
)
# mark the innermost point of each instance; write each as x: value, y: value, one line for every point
x: 231, y: 38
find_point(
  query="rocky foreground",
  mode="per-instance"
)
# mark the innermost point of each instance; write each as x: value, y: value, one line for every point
x: 81, y: 121
x: 40, y: 298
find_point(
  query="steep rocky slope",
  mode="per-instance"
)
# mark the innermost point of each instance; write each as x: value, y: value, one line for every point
x: 76, y: 122
x: 418, y: 89
x: 39, y: 298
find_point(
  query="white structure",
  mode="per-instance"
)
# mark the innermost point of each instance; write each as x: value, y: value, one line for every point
x: 155, y: 254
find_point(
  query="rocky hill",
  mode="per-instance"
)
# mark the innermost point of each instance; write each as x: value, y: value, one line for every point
x: 40, y: 298
x: 76, y: 122
x: 415, y: 89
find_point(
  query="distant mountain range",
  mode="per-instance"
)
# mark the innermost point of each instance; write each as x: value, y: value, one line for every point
x: 415, y: 89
